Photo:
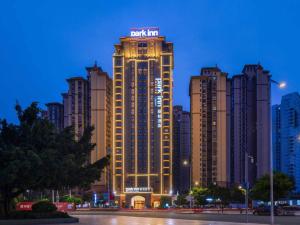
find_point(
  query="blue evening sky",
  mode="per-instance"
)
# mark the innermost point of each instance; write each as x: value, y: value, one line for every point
x: 43, y: 42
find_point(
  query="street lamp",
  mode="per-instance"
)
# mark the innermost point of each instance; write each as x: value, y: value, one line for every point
x: 280, y: 85
x: 247, y: 157
x: 187, y: 163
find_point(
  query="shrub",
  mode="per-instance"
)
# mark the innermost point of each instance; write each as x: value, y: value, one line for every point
x: 75, y: 200
x: 43, y: 207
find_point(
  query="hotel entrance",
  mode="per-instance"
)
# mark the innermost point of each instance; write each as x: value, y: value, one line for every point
x: 138, y: 202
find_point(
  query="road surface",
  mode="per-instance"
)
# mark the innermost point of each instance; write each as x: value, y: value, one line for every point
x: 202, y: 217
x: 129, y: 220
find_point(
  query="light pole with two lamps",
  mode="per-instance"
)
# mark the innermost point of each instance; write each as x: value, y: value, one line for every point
x: 281, y: 85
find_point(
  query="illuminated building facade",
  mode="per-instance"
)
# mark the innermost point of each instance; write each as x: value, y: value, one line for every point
x: 210, y: 102
x: 142, y: 118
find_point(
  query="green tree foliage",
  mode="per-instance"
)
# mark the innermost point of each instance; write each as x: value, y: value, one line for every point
x: 283, y: 185
x: 71, y: 199
x: 181, y: 200
x: 165, y: 201
x: 200, y: 194
x: 219, y: 195
x: 33, y: 155
x: 237, y: 195
x: 43, y: 206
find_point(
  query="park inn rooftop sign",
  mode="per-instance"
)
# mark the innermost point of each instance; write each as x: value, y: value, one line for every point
x: 144, y: 32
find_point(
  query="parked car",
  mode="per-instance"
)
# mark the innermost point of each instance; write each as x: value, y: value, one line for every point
x: 278, y: 211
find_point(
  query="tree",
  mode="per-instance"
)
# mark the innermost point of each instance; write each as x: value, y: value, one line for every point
x: 34, y: 156
x: 220, y: 195
x: 283, y: 185
x: 165, y: 201
x: 200, y: 195
x: 237, y: 195
x: 181, y: 200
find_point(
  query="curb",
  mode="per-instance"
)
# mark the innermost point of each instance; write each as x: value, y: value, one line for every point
x: 39, y: 221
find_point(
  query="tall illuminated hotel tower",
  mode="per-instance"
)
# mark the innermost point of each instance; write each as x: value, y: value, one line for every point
x: 142, y: 122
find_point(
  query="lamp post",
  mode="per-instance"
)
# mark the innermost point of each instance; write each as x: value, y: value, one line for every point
x: 247, y: 157
x: 187, y: 163
x: 280, y: 85
x: 246, y: 184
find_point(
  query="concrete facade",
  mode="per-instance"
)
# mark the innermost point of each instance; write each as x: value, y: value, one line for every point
x: 250, y: 115
x: 100, y: 97
x: 209, y: 121
x: 55, y: 114
x: 181, y: 150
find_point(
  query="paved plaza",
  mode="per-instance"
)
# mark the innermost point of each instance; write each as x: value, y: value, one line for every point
x: 129, y: 220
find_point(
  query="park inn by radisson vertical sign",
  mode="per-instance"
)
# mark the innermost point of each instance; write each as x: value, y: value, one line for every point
x: 144, y: 32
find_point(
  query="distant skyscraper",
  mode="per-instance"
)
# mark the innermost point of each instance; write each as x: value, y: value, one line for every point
x: 250, y: 123
x: 288, y: 155
x: 181, y: 150
x: 276, y: 137
x: 142, y: 122
x: 209, y: 125
x: 100, y: 112
x: 55, y: 114
x: 76, y: 105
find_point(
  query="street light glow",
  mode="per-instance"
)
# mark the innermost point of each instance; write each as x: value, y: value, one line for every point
x: 282, y: 85
x: 185, y: 162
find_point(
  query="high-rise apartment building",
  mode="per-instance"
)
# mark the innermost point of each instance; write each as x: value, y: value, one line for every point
x: 100, y: 112
x: 286, y: 130
x: 209, y: 128
x: 142, y: 121
x: 88, y: 102
x: 76, y: 105
x: 55, y: 114
x: 250, y: 125
x: 181, y: 150
x: 276, y: 137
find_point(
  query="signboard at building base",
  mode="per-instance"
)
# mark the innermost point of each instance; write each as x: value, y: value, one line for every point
x: 61, y: 206
x: 137, y: 189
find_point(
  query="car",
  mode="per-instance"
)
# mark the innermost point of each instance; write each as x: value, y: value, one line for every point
x: 278, y: 211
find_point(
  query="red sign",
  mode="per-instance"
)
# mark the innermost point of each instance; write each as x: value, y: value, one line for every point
x: 64, y: 206
x: 24, y: 206
x: 61, y: 206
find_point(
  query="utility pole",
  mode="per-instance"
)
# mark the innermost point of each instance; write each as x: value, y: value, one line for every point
x: 246, y: 183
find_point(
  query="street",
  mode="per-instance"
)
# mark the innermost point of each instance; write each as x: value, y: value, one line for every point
x: 169, y: 217
x: 129, y: 220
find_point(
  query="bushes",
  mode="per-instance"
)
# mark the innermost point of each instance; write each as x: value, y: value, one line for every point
x: 75, y: 200
x: 40, y: 210
x: 43, y: 207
